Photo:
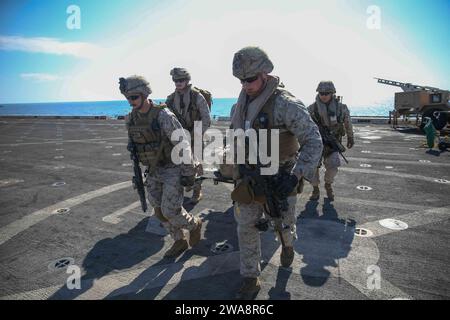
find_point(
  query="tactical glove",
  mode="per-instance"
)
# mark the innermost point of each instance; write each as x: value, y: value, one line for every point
x: 350, y: 142
x: 187, y: 181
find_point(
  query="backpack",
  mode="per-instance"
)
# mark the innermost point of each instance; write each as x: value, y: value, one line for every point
x: 207, y: 95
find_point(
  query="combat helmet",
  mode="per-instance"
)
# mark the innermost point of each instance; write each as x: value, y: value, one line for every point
x: 250, y: 61
x: 326, y: 86
x: 134, y: 85
x: 180, y: 73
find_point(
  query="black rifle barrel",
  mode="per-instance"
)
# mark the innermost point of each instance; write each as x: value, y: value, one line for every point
x: 138, y: 182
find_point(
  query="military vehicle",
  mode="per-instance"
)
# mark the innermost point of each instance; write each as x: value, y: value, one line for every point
x: 421, y: 101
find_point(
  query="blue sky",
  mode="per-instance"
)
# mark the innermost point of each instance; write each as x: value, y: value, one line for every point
x: 42, y: 60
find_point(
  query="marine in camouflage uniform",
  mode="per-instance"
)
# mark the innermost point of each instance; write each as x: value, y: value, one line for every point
x: 150, y: 128
x: 328, y: 112
x: 189, y: 105
x: 264, y: 96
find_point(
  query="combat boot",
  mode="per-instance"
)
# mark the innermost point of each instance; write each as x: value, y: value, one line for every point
x: 315, y: 195
x: 287, y: 256
x: 197, y: 194
x: 178, y: 247
x: 249, y: 289
x: 329, y: 190
x: 195, y: 234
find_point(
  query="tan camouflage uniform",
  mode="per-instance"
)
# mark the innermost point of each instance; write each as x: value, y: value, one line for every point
x: 331, y: 160
x: 183, y: 98
x: 163, y: 184
x: 205, y: 118
x: 164, y: 188
x: 291, y: 115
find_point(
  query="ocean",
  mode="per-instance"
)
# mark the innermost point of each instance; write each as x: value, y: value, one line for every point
x: 221, y: 108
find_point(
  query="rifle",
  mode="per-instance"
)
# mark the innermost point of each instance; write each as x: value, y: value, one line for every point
x: 179, y: 117
x: 330, y: 140
x: 265, y: 185
x: 137, y: 180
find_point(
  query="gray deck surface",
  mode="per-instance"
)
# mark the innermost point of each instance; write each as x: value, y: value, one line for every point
x: 121, y: 257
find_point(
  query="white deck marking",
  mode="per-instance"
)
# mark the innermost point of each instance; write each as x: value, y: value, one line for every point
x: 9, y: 182
x: 390, y: 174
x: 413, y: 162
x: 414, y: 219
x: 350, y: 264
x: 65, y: 141
x: 115, y: 217
x: 382, y: 204
x: 14, y: 228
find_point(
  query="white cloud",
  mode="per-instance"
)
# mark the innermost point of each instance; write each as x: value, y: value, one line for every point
x: 49, y: 46
x: 306, y: 44
x: 40, y: 77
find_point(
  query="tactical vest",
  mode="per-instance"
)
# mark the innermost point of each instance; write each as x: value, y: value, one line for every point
x: 244, y: 192
x: 338, y: 130
x: 288, y: 143
x: 153, y: 148
x: 193, y: 111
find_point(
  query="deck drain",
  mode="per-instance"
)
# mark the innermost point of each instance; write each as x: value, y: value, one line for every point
x: 61, y: 210
x: 393, y: 224
x: 425, y: 161
x: 58, y: 184
x: 221, y: 247
x: 59, y: 167
x: 366, y: 142
x: 59, y: 157
x: 127, y: 164
x: 59, y: 149
x: 365, y: 165
x: 442, y: 181
x: 366, y: 151
x: 116, y: 154
x: 108, y: 147
x: 60, y: 264
x: 361, y: 232
x: 389, y: 167
x: 364, y: 188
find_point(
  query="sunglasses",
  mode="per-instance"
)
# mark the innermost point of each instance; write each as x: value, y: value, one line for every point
x: 179, y: 80
x: 324, y: 93
x: 132, y: 98
x: 249, y: 80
